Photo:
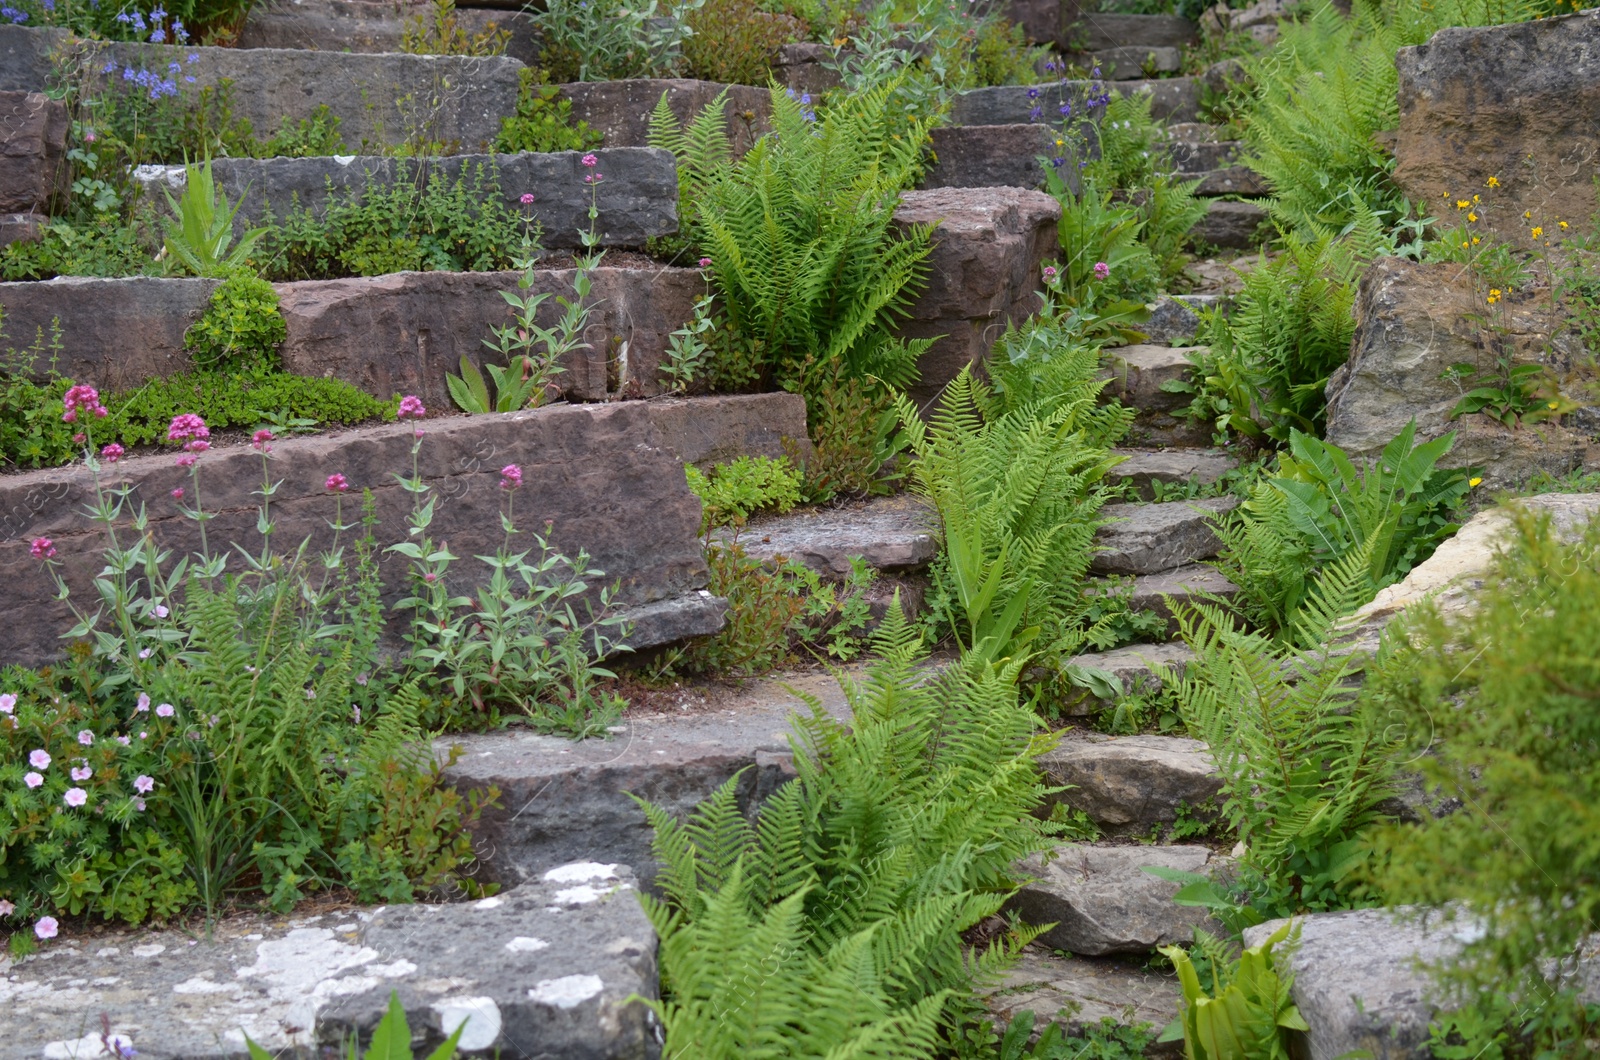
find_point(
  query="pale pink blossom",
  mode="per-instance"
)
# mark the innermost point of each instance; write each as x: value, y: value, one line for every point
x: 138, y: 804
x: 47, y: 927
x: 75, y: 797
x: 8, y: 702
x: 143, y: 704
x: 81, y: 774
x: 143, y: 784
x: 86, y: 737
x: 33, y: 780
x: 6, y: 908
x: 125, y: 740
x: 39, y: 758
x: 185, y: 460
x: 164, y: 710
x: 590, y: 160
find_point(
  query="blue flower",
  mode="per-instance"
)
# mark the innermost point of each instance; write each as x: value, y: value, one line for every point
x: 16, y: 17
x: 158, y: 36
x: 189, y: 78
x: 805, y: 99
x: 1035, y: 114
x: 124, y: 17
x: 1066, y: 110
x: 192, y: 57
x: 1033, y: 93
x: 50, y: 6
x: 109, y: 67
x: 1058, y: 162
x: 174, y: 66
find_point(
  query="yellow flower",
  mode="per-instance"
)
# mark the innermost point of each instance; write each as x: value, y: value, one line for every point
x: 1463, y: 244
x: 1472, y: 217
x: 1561, y: 225
x: 1537, y: 231
x: 1493, y: 182
x: 1476, y: 199
x: 1474, y: 240
x: 1473, y: 482
x: 1462, y: 204
x: 1553, y: 405
x: 1527, y: 215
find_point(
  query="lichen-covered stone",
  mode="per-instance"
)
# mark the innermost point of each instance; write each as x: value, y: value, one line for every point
x: 1149, y: 538
x: 1131, y: 784
x: 887, y: 534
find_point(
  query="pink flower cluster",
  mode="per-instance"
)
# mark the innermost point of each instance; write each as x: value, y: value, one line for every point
x: 42, y: 548
x: 112, y: 453
x: 262, y: 440
x: 411, y: 405
x: 336, y: 483
x: 84, y: 398
x: 527, y: 198
x: 1101, y: 270
x: 187, y: 427
x: 510, y: 477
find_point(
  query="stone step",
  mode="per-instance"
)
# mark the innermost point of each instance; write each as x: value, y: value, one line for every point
x: 985, y: 156
x: 598, y: 472
x: 1194, y: 157
x: 374, y: 96
x: 1171, y: 322
x: 554, y: 966
x: 1102, y: 902
x: 1173, y: 99
x: 638, y: 200
x: 1132, y: 62
x: 1079, y: 992
x: 897, y: 534
x: 621, y: 109
x: 1138, y: 668
x: 372, y: 26
x: 1151, y: 592
x: 1151, y: 538
x: 1236, y: 225
x: 1194, y: 131
x: 1129, y: 785
x: 1143, y: 468
x: 1229, y: 180
x: 1136, y: 375
x: 1095, y: 31
x: 566, y: 801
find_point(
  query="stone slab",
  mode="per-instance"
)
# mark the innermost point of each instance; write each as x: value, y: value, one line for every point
x: 892, y: 534
x: 21, y: 228
x: 373, y: 26
x: 1145, y: 467
x: 397, y: 333
x: 599, y: 473
x: 1151, y: 592
x: 1520, y: 103
x: 549, y: 968
x: 1102, y: 902
x: 1230, y: 180
x: 564, y: 800
x: 1136, y: 62
x: 621, y: 109
x: 1150, y: 538
x: 1171, y: 322
x: 1137, y: 374
x: 386, y: 99
x: 1095, y: 31
x: 33, y: 151
x: 802, y: 67
x: 637, y: 200
x: 1173, y: 99
x: 1193, y: 157
x: 1236, y: 225
x: 1138, y: 669
x: 715, y: 430
x: 1131, y: 784
x: 1359, y: 986
x: 985, y: 156
x: 983, y: 273
x: 1079, y: 992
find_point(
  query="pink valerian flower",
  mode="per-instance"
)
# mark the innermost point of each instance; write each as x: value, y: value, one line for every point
x: 1049, y: 273
x: 8, y: 703
x: 196, y: 445
x: 79, y: 438
x: 165, y: 710
x: 527, y: 198
x: 47, y: 927
x: 75, y: 797
x: 185, y: 460
x: 594, y: 178
x: 112, y: 453
x: 510, y: 477
x: 32, y: 779
x: 81, y: 773
x: 336, y: 483
x: 84, y: 398
x: 86, y: 737
x: 39, y: 758
x: 260, y: 440
x: 590, y: 160
x: 42, y: 548
x: 187, y: 426
x: 144, y: 784
x: 177, y: 494
x: 1101, y: 270
x: 704, y: 263
x: 410, y: 405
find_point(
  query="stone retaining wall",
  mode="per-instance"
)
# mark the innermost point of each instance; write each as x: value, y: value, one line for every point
x: 600, y: 474
x: 373, y: 26
x: 380, y: 100
x: 637, y: 200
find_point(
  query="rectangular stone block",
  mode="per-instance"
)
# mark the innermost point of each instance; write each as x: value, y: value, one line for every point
x: 597, y: 473
x: 621, y: 109
x: 398, y: 333
x: 637, y: 199
x: 989, y: 156
x: 1175, y: 99
x: 33, y: 151
x: 1093, y: 31
x: 373, y: 26
x: 723, y: 427
x: 380, y: 100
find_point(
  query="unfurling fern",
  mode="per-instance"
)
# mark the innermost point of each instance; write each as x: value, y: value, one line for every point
x: 832, y: 925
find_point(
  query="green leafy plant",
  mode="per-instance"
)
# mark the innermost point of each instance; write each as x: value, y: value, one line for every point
x: 391, y: 1039
x: 732, y: 492
x: 201, y: 231
x: 1320, y: 507
x: 527, y: 379
x: 439, y: 32
x: 897, y: 834
x: 543, y: 119
x: 609, y: 40
x: 734, y: 41
x: 242, y: 324
x: 1247, y: 1011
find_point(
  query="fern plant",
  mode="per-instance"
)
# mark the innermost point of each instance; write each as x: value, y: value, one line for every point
x: 1305, y: 759
x: 831, y: 926
x: 1017, y: 482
